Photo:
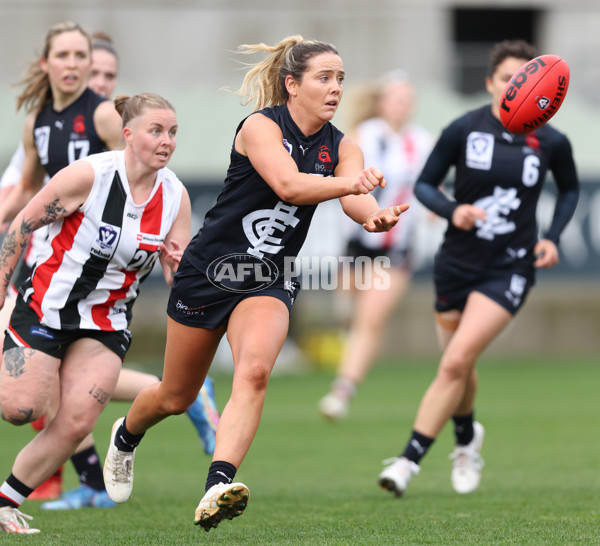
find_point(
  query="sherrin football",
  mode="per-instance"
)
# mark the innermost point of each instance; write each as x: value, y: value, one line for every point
x: 534, y: 93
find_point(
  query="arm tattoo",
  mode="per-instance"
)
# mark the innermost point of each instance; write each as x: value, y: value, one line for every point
x: 27, y: 228
x: 9, y: 247
x: 51, y: 212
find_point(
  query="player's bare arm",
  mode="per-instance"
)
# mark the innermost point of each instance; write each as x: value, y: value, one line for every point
x: 260, y: 140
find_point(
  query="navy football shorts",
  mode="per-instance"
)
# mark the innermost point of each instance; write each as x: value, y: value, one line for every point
x: 195, y: 301
x: 26, y: 330
x: 453, y: 284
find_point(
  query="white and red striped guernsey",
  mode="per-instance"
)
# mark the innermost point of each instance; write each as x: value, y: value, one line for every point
x: 89, y: 273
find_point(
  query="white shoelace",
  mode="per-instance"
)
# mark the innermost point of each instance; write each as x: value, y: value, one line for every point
x: 414, y: 468
x: 123, y: 467
x: 15, y: 518
x: 465, y: 456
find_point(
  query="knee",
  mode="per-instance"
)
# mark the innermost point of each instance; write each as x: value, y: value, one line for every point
x: 256, y: 374
x: 77, y: 428
x: 18, y: 413
x: 178, y: 404
x: 455, y: 367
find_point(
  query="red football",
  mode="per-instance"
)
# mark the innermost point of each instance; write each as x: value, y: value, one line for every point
x: 534, y: 93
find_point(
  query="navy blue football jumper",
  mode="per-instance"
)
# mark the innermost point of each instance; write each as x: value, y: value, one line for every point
x: 63, y: 137
x: 250, y: 225
x: 249, y: 217
x: 502, y: 173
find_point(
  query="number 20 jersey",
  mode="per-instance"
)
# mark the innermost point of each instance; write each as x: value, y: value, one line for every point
x: 89, y: 274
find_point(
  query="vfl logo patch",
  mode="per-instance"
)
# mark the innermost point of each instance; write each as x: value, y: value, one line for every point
x: 105, y: 244
x: 480, y: 150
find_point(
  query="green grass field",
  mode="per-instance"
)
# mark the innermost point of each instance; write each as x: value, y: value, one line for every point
x: 313, y: 482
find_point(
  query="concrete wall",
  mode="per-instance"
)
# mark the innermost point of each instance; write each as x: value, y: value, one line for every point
x: 183, y: 50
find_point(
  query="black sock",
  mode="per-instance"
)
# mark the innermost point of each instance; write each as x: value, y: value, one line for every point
x: 417, y: 446
x: 463, y: 429
x: 13, y: 492
x: 219, y: 472
x: 87, y: 466
x: 125, y: 441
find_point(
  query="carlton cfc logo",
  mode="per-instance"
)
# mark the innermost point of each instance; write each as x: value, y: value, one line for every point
x: 79, y: 124
x: 324, y: 154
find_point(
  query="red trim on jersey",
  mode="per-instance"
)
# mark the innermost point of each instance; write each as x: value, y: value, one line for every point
x: 149, y: 248
x: 14, y: 333
x: 62, y: 243
x: 152, y: 217
x: 149, y: 223
x: 100, y: 311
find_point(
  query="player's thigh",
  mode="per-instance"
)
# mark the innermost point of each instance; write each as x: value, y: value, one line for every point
x: 446, y: 323
x: 189, y: 353
x: 88, y: 375
x: 481, y: 322
x: 257, y: 330
x: 27, y: 381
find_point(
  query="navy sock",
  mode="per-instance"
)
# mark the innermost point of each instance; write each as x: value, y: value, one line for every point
x: 220, y: 472
x: 124, y: 440
x: 463, y: 429
x: 417, y: 446
x: 87, y: 466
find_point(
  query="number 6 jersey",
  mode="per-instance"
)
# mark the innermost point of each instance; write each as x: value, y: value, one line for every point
x: 88, y: 275
x: 503, y: 174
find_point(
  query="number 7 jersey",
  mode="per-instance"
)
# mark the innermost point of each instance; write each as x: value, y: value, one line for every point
x: 89, y: 273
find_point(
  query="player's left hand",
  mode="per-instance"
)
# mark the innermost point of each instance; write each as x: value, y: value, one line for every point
x: 384, y: 219
x: 172, y: 256
x: 546, y: 253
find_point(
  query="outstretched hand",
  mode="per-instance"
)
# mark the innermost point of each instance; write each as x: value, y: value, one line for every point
x: 384, y: 219
x: 171, y: 256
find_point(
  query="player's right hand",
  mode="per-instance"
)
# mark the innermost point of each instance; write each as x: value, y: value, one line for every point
x: 367, y: 180
x: 467, y: 216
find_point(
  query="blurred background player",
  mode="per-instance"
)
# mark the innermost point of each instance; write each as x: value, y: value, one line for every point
x: 203, y: 412
x: 486, y: 264
x: 399, y: 148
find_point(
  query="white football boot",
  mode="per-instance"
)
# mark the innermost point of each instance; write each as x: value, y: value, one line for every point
x: 13, y: 521
x: 466, y: 469
x: 397, y: 475
x: 118, y: 469
x: 221, y: 501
